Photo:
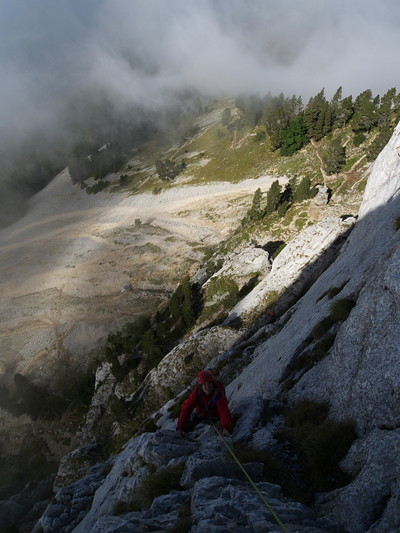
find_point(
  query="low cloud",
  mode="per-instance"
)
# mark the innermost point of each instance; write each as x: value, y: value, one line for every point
x: 144, y: 52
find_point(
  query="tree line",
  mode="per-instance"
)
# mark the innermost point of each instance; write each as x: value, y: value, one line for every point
x: 290, y: 125
x: 279, y: 200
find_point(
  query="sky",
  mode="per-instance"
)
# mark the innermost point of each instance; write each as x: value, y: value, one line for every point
x: 143, y: 52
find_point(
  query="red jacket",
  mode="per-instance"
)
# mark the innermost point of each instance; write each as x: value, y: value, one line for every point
x: 216, y: 404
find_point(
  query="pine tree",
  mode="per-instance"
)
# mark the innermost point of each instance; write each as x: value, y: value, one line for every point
x: 273, y: 198
x: 251, y: 108
x: 334, y: 157
x: 316, y: 115
x: 167, y: 170
x: 294, y: 137
x: 288, y: 192
x: 335, y: 106
x: 187, y: 306
x: 328, y: 121
x: 345, y: 112
x: 385, y: 108
x: 175, y: 302
x: 148, y: 342
x: 379, y: 143
x: 365, y: 112
x: 255, y: 212
x: 303, y: 191
x: 278, y: 113
x: 282, y: 208
x: 276, y: 123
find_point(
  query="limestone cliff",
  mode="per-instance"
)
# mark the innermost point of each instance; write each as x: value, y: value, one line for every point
x: 360, y: 374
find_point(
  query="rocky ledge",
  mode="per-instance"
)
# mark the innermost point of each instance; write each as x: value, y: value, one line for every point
x: 205, y: 490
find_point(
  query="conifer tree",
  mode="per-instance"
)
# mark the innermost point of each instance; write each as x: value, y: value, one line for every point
x: 335, y: 106
x: 277, y: 121
x: 379, y: 143
x: 175, y: 302
x: 334, y: 157
x: 255, y: 212
x: 273, y: 197
x: 167, y: 169
x: 345, y: 112
x: 187, y: 306
x: 386, y: 108
x: 317, y: 117
x: 288, y: 192
x: 278, y: 113
x: 251, y: 108
x: 365, y: 112
x: 150, y: 348
x: 226, y: 117
x: 303, y: 191
x: 294, y: 137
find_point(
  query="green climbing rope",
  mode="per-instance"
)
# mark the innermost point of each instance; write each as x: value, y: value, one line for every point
x: 262, y: 497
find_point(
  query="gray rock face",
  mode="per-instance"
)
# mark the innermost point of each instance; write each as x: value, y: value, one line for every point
x: 359, y: 376
x: 104, y: 391
x: 178, y: 368
x: 10, y: 512
x: 298, y: 264
x: 71, y: 504
x: 23, y: 509
x: 371, y: 502
x: 75, y: 465
x: 219, y: 499
x: 362, y: 374
x: 248, y: 414
x: 242, y: 264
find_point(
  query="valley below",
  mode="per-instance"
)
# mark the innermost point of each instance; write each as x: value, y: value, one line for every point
x: 77, y: 266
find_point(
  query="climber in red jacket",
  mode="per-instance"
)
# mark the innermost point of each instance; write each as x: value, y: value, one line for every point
x: 209, y: 402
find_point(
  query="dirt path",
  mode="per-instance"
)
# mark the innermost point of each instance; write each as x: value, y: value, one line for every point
x: 324, y: 174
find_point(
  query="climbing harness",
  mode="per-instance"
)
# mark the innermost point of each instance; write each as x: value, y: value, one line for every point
x: 262, y: 497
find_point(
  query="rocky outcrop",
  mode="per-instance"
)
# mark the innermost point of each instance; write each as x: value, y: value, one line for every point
x: 296, y: 267
x: 242, y: 265
x: 371, y: 501
x: 322, y: 197
x: 26, y: 507
x: 179, y: 367
x: 105, y: 384
x: 212, y: 491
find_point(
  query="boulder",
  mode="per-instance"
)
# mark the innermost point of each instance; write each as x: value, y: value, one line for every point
x: 323, y: 194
